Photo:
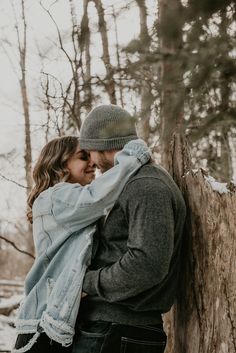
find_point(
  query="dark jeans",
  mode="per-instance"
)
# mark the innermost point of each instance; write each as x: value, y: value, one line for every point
x: 43, y: 345
x: 106, y: 337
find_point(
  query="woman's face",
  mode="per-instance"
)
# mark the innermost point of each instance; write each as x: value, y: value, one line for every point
x: 82, y: 170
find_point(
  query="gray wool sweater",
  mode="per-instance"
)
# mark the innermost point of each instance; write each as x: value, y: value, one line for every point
x: 134, y: 274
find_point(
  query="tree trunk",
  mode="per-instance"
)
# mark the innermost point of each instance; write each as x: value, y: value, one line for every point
x: 118, y: 58
x: 146, y: 95
x: 226, y: 159
x: 85, y: 46
x: 27, y: 156
x: 110, y: 84
x: 172, y: 94
x: 76, y: 65
x: 25, y: 102
x: 22, y: 47
x: 205, y: 313
x: 203, y: 318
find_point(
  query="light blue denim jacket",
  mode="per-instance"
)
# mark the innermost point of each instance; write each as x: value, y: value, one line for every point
x: 63, y: 228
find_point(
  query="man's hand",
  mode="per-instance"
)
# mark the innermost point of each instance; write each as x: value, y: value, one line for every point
x: 83, y: 295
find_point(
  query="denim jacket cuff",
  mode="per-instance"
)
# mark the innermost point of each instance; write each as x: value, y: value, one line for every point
x: 137, y: 148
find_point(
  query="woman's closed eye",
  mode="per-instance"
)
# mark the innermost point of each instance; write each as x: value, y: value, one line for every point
x: 84, y: 156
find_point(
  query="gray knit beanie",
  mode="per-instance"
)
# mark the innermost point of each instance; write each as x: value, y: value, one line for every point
x: 107, y: 127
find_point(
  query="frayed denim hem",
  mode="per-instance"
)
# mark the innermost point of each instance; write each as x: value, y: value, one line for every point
x: 58, y: 331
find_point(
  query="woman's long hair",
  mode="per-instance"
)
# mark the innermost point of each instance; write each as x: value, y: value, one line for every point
x: 50, y: 167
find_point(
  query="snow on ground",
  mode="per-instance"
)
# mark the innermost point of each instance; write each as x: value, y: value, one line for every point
x: 12, y: 302
x: 7, y: 332
x: 10, y: 296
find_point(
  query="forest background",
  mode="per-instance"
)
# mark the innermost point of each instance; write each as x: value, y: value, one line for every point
x: 171, y: 63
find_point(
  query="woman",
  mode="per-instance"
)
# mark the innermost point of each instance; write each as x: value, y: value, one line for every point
x: 63, y: 209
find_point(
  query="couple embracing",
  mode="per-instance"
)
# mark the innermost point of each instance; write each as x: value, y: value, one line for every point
x: 107, y: 249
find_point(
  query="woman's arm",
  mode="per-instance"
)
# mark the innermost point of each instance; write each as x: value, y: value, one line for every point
x: 76, y: 207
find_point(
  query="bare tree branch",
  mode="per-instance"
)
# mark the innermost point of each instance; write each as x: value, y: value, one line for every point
x: 16, y: 247
x: 59, y: 36
x: 12, y: 181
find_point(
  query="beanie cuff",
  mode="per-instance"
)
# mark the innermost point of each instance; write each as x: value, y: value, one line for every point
x: 116, y: 143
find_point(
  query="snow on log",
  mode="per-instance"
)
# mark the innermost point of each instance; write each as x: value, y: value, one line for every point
x: 7, y: 305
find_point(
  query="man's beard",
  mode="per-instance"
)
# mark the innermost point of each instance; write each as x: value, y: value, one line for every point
x: 104, y: 164
x: 105, y: 167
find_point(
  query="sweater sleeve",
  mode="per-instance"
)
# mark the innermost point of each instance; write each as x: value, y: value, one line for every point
x: 149, y: 211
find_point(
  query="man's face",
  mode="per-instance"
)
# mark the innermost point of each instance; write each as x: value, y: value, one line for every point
x: 103, y: 160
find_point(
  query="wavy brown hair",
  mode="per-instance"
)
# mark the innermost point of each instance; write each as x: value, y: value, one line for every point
x: 50, y: 167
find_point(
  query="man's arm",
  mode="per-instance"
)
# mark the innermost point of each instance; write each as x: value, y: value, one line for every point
x: 149, y: 248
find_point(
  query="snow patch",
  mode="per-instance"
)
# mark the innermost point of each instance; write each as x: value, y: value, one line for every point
x: 216, y: 186
x: 7, y: 333
x: 8, y: 305
x: 10, y: 302
x: 191, y: 171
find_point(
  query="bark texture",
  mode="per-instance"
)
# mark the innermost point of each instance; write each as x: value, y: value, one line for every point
x: 145, y: 89
x: 172, y: 94
x: 206, y: 319
x: 203, y: 319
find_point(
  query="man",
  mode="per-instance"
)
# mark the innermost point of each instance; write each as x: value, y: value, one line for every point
x: 134, y: 273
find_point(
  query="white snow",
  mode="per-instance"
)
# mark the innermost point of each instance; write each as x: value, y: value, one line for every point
x: 216, y: 186
x: 7, y: 333
x: 7, y: 330
x: 194, y: 171
x: 10, y: 302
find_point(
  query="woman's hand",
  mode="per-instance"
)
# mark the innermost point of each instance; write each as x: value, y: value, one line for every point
x: 83, y: 295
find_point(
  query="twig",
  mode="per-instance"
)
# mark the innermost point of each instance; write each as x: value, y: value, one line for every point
x: 16, y: 247
x: 12, y: 181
